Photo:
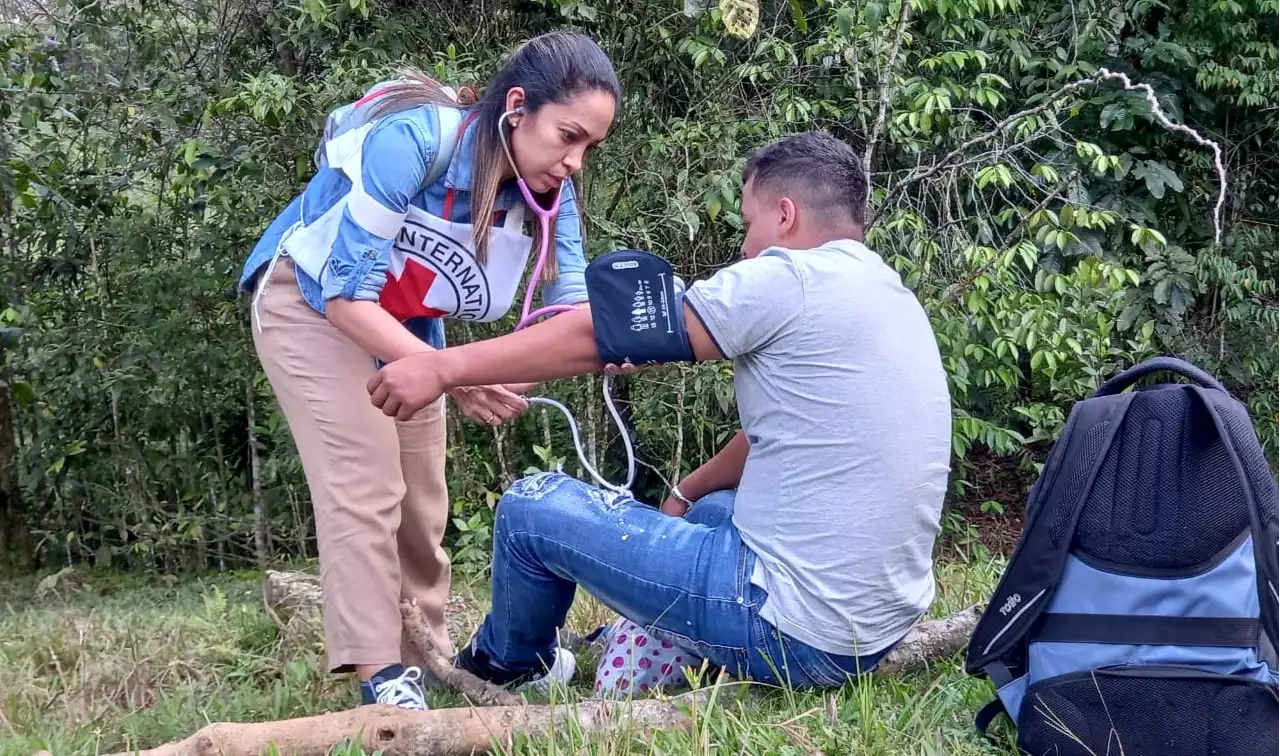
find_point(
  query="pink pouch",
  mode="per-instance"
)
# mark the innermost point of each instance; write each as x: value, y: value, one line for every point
x: 634, y: 663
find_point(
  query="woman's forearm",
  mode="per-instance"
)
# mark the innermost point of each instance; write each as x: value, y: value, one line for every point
x: 374, y: 329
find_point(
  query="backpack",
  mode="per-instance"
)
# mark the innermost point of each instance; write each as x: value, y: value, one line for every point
x: 340, y: 148
x: 1137, y: 614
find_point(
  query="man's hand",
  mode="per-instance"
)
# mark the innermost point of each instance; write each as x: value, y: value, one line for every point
x: 722, y: 472
x: 674, y: 507
x: 491, y: 405
x: 405, y: 386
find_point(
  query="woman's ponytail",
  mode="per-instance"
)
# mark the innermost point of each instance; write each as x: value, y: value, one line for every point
x: 414, y: 88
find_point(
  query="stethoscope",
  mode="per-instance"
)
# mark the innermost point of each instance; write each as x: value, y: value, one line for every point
x: 527, y: 318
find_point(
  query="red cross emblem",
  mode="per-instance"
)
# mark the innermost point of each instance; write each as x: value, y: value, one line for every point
x: 403, y: 297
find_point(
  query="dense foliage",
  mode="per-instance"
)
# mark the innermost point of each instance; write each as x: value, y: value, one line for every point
x: 1054, y: 236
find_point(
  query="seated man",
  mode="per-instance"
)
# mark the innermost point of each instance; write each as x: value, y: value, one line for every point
x: 806, y: 554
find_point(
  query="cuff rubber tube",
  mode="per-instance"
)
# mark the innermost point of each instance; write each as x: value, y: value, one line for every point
x: 637, y: 309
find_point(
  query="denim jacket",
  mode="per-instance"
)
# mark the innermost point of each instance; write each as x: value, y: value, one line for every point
x: 397, y: 154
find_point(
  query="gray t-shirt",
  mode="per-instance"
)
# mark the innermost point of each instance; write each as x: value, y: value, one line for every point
x: 844, y: 401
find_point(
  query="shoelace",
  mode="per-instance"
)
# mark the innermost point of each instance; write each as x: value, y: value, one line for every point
x: 402, y: 690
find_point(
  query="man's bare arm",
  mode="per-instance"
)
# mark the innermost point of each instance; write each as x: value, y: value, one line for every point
x: 560, y: 347
x: 720, y: 473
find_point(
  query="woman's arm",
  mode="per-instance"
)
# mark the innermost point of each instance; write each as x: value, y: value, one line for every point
x: 374, y: 329
x: 739, y: 310
x: 395, y: 159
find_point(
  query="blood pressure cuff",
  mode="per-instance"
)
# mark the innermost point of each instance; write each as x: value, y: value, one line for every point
x: 637, y: 308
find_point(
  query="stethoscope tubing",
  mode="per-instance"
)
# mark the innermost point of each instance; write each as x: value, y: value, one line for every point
x: 527, y: 318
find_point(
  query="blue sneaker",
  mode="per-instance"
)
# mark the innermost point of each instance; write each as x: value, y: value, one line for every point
x: 396, y: 685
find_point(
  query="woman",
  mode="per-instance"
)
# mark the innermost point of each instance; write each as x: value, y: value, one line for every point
x: 413, y: 215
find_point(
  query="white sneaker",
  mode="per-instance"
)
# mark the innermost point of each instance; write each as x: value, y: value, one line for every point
x: 403, y: 691
x: 478, y: 664
x: 560, y: 674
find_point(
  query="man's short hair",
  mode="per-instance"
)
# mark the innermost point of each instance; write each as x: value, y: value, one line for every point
x: 821, y: 173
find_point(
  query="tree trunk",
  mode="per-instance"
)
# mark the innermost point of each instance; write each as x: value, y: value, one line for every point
x: 504, y: 459
x: 592, y: 456
x: 261, y: 532
x: 15, y: 547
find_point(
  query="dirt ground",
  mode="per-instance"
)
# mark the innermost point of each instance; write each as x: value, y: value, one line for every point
x: 996, y: 479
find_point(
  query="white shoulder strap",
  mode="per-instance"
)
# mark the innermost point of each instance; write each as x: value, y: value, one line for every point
x: 450, y: 119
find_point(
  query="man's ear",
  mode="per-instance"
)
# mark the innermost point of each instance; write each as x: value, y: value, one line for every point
x: 790, y: 216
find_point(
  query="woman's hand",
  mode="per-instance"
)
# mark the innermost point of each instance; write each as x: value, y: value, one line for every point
x: 491, y: 405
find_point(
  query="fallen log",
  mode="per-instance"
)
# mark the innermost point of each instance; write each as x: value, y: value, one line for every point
x: 294, y: 594
x: 441, y: 732
x: 929, y: 641
x: 294, y: 601
x: 287, y: 593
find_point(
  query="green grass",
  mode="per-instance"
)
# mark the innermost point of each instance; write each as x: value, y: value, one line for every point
x: 96, y: 662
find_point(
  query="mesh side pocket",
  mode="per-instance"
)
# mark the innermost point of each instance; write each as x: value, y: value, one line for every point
x: 1078, y: 463
x: 1149, y: 711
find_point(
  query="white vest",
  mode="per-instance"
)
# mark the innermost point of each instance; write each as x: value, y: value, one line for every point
x: 433, y: 270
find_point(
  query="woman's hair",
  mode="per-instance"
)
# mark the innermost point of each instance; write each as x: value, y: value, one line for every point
x: 550, y: 68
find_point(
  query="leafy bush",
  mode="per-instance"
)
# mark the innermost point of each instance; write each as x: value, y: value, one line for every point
x: 1053, y: 236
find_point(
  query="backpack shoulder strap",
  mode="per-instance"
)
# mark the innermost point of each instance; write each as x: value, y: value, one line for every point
x: 351, y: 136
x: 988, y: 714
x: 1036, y: 566
x: 449, y: 121
x: 1236, y: 431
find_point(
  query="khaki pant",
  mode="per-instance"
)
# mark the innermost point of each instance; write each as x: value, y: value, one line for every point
x: 377, y: 485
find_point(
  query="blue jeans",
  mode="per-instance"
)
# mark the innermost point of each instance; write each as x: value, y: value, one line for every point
x: 687, y: 580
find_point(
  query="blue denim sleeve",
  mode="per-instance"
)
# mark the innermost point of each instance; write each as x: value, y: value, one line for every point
x: 394, y: 163
x: 570, y: 286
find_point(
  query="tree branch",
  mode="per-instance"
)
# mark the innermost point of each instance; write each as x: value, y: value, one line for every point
x: 470, y: 687
x: 394, y: 731
x: 886, y: 78
x: 919, y: 174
